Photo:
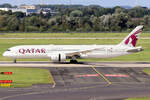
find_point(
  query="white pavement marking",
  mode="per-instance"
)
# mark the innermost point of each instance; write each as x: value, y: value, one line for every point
x: 42, y: 65
x: 96, y: 64
x: 126, y: 65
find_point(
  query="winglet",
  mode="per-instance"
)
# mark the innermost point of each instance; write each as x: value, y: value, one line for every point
x: 132, y: 38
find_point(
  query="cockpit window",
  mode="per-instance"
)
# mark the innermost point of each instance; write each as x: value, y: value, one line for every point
x: 8, y: 50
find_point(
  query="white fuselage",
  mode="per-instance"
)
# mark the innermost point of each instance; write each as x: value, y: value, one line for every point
x: 45, y: 51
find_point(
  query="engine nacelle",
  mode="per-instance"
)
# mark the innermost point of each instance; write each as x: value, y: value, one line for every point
x: 84, y: 56
x: 58, y: 57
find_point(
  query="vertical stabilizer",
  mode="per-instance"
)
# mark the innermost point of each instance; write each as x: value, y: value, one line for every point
x: 132, y: 38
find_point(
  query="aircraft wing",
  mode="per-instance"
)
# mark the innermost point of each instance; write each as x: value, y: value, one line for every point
x: 78, y: 53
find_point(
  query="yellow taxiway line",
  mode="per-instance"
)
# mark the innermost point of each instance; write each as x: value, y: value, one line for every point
x: 101, y: 75
x: 52, y: 79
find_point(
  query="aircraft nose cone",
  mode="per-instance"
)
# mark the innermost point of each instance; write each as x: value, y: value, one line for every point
x: 8, y: 54
x: 5, y: 54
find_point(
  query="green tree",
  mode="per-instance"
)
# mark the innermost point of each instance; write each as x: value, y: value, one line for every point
x: 76, y: 13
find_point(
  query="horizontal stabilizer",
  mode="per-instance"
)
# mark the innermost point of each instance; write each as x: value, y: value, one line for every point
x: 137, y: 49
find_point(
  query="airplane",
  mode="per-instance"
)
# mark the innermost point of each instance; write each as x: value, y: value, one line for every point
x: 59, y: 53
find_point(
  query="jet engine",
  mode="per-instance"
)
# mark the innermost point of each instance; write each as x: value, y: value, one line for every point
x: 58, y: 57
x: 83, y: 56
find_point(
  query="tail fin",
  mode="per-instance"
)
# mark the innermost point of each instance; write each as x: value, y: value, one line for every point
x: 132, y: 38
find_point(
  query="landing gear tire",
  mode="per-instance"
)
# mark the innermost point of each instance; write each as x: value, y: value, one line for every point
x: 74, y: 61
x: 15, y: 61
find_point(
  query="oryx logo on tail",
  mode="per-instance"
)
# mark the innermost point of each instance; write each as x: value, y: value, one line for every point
x: 132, y: 38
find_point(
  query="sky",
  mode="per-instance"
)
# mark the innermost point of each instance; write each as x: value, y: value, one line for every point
x: 104, y: 3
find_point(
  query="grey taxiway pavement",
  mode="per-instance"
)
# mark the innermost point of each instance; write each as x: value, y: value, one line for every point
x: 92, y: 82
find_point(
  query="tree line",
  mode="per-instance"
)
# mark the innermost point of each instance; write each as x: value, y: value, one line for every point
x: 76, y: 18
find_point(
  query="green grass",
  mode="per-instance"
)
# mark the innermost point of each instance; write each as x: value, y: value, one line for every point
x: 147, y: 70
x: 141, y: 56
x: 23, y: 77
x: 144, y: 98
x: 26, y: 35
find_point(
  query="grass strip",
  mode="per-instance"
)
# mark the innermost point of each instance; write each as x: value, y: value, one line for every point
x: 23, y: 77
x: 45, y: 35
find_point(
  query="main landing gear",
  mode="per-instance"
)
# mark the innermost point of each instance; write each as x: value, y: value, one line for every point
x: 73, y: 61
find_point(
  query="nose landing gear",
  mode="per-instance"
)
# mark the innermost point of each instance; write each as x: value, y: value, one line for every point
x: 15, y: 61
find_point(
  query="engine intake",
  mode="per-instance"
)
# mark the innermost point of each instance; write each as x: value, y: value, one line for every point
x: 58, y: 57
